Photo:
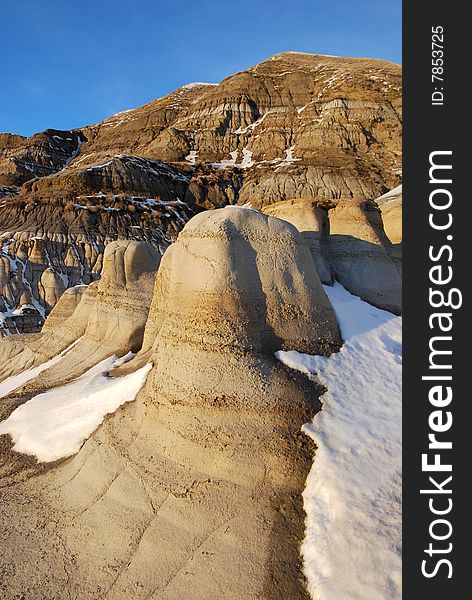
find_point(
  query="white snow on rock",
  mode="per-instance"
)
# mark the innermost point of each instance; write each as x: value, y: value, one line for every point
x: 252, y: 126
x: 246, y: 160
x: 391, y: 195
x: 191, y: 157
x: 15, y: 381
x: 352, y: 548
x: 54, y: 424
x: 195, y: 84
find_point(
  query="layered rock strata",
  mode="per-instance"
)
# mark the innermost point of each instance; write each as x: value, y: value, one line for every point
x: 292, y: 126
x: 391, y: 205
x: 310, y: 217
x: 47, y: 247
x: 348, y: 243
x: 108, y: 319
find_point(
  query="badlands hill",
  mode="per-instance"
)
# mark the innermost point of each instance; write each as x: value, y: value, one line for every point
x: 294, y: 126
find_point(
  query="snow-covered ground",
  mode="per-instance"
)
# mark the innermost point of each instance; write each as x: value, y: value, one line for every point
x: 54, y: 424
x: 352, y: 549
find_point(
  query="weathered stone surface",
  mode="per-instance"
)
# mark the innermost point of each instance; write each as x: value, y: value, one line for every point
x: 205, y: 470
x: 348, y: 242
x: 361, y: 256
x: 46, y: 247
x: 310, y: 217
x: 22, y: 159
x: 109, y: 318
x: 391, y: 207
x: 295, y: 125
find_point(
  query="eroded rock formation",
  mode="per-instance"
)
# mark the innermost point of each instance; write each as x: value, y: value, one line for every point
x: 108, y: 318
x: 295, y: 126
x: 196, y: 485
x: 47, y: 246
x: 348, y: 243
x: 391, y: 206
x: 362, y: 257
x: 310, y: 217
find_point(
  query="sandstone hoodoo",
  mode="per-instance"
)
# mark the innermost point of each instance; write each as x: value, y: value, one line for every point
x: 47, y: 246
x: 361, y: 255
x: 391, y: 207
x: 152, y: 268
x: 207, y: 467
x: 348, y: 243
x: 310, y: 217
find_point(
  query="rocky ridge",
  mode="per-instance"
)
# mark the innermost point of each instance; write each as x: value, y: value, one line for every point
x: 296, y: 124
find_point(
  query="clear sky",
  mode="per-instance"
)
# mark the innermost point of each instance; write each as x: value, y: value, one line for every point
x: 68, y: 63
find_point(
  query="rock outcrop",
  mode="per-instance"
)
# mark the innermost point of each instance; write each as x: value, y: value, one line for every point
x: 47, y: 246
x: 310, y: 217
x: 22, y: 159
x: 391, y: 206
x: 362, y: 257
x: 196, y: 485
x: 295, y: 126
x: 348, y: 243
x: 108, y: 318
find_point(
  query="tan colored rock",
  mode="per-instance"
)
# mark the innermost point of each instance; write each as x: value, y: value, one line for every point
x: 311, y: 220
x: 53, y: 286
x: 64, y: 307
x: 391, y: 207
x: 109, y: 319
x: 203, y: 474
x: 294, y: 125
x: 21, y: 352
x: 46, y: 250
x: 360, y: 254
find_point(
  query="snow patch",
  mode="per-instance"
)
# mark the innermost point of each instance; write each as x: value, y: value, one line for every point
x: 195, y: 84
x: 231, y: 162
x: 191, y: 157
x: 390, y: 195
x: 55, y: 424
x: 352, y: 547
x: 252, y: 126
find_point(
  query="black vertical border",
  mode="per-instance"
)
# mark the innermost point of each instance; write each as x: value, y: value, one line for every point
x: 427, y: 128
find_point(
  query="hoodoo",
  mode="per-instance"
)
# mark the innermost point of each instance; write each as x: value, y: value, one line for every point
x: 203, y: 474
x: 361, y: 256
x: 109, y: 319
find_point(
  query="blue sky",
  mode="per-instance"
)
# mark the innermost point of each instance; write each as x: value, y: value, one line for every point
x: 67, y: 63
